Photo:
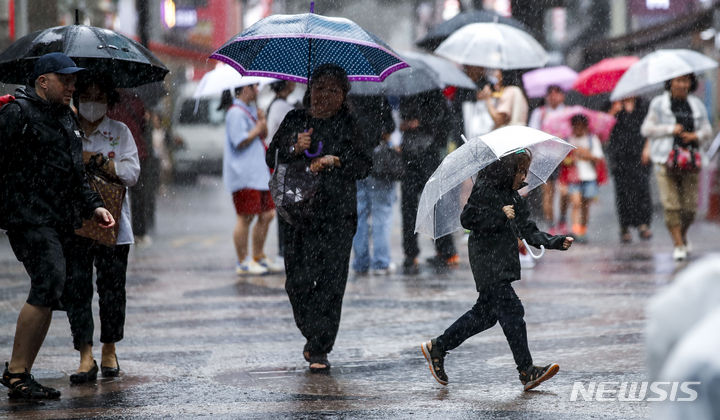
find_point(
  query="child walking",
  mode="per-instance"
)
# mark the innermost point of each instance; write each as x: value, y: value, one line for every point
x: 495, y: 214
x: 582, y: 185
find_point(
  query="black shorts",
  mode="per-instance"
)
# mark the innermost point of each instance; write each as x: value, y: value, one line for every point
x: 44, y: 252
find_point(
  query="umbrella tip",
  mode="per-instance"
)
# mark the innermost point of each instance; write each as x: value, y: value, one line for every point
x: 312, y: 7
x: 77, y: 16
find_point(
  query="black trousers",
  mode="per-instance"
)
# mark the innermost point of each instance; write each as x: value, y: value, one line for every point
x: 411, y: 187
x: 316, y: 264
x: 111, y: 266
x: 496, y: 303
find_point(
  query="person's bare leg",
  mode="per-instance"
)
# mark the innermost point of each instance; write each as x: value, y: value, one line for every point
x: 575, y: 212
x: 677, y: 235
x: 240, y: 235
x: 32, y: 327
x: 585, y: 215
x: 564, y: 202
x: 548, y: 201
x: 108, y: 355
x: 260, y: 233
x: 86, y: 358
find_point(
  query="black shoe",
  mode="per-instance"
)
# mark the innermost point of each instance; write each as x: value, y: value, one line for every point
x: 534, y: 376
x: 436, y: 361
x: 410, y: 266
x: 26, y: 387
x: 82, y: 377
x: 111, y: 372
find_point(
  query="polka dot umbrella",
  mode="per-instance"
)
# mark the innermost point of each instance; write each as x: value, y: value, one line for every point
x: 290, y: 47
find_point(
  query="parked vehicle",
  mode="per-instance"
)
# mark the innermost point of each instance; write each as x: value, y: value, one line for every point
x: 201, y: 128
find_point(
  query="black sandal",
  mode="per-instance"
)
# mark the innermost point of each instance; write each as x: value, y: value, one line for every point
x: 26, y: 387
x: 319, y: 359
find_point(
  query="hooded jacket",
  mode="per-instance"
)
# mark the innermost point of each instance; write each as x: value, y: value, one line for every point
x: 493, y: 245
x: 42, y: 177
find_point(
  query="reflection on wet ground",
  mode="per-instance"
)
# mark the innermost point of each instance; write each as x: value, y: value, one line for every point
x: 199, y: 342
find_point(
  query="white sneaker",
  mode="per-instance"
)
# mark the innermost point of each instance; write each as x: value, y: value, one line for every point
x: 688, y: 247
x: 250, y: 268
x: 526, y: 261
x: 679, y: 253
x: 270, y: 266
x: 384, y: 271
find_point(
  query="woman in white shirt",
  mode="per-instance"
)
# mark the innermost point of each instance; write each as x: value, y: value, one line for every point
x: 110, y: 144
x: 676, y: 118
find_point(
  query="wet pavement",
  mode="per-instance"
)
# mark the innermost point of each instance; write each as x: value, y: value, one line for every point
x: 201, y: 342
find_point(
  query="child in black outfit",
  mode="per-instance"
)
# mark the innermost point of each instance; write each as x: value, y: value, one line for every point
x: 495, y: 213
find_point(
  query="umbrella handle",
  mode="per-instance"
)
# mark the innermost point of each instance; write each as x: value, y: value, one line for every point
x: 317, y: 153
x: 527, y: 247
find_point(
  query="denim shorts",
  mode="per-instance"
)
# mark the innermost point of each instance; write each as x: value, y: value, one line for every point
x: 588, y: 189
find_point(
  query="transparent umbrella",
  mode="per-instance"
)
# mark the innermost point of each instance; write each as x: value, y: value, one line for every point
x: 224, y: 77
x: 648, y: 74
x: 493, y: 45
x: 440, y: 203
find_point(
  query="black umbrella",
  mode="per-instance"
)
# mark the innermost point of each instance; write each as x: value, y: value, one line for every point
x: 439, y: 32
x: 126, y: 61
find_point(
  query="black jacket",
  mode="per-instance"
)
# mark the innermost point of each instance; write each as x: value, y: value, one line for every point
x: 42, y: 177
x: 336, y: 195
x: 493, y: 245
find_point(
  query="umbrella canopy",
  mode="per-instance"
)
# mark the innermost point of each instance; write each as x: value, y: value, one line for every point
x: 599, y: 123
x: 537, y: 81
x: 426, y: 72
x: 649, y: 74
x: 493, y: 45
x: 128, y: 63
x: 441, y: 31
x: 602, y: 76
x: 440, y: 205
x: 223, y: 78
x: 290, y: 47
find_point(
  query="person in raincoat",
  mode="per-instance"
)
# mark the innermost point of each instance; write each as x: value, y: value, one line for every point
x: 317, y: 251
x: 109, y: 144
x: 496, y: 214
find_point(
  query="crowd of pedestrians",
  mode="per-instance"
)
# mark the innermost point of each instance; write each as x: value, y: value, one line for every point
x: 336, y: 138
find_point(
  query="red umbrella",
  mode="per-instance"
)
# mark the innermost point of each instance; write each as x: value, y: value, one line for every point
x: 602, y: 76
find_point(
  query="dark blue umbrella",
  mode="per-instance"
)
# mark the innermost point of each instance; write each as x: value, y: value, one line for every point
x: 126, y: 61
x: 439, y: 32
x: 290, y: 47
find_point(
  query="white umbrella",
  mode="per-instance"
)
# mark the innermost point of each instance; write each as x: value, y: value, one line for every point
x: 224, y: 77
x: 493, y: 45
x: 649, y: 74
x: 440, y: 205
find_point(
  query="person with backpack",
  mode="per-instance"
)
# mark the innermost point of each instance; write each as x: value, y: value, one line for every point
x: 44, y: 196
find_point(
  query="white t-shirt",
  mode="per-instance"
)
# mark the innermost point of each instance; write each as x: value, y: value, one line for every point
x: 114, y: 140
x: 586, y: 169
x: 276, y: 114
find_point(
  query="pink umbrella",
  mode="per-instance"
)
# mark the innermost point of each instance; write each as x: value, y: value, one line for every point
x: 537, y: 81
x: 558, y: 123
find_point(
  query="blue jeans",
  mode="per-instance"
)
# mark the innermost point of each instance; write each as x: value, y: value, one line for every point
x: 374, y: 200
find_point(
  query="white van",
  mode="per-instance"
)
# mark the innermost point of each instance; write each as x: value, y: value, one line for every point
x: 201, y: 127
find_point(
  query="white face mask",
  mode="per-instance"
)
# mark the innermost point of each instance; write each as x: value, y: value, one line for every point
x: 92, y: 111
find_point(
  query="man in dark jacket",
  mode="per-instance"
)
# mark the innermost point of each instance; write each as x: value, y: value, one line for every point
x: 43, y: 197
